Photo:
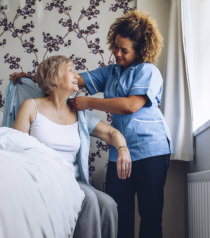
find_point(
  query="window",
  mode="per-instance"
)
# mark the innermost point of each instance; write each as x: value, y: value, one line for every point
x: 199, y: 45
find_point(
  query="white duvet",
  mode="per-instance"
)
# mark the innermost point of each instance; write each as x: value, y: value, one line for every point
x: 39, y: 196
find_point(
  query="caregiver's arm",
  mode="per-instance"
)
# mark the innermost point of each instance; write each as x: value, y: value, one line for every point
x: 81, y: 81
x: 16, y: 76
x: 116, y: 139
x: 119, y: 105
x: 24, y: 117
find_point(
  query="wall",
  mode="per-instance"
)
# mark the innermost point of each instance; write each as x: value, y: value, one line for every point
x: 159, y: 10
x: 175, y: 208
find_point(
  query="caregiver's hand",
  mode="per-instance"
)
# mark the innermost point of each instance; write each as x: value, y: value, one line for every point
x: 124, y: 163
x: 16, y: 76
x: 79, y: 103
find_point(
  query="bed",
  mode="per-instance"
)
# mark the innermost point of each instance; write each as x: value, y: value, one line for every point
x: 39, y: 195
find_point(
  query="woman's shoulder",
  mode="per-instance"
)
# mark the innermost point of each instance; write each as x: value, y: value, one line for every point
x: 108, y: 68
x: 147, y: 68
x: 26, y: 107
x: 27, y: 102
x: 34, y: 102
x: 31, y: 101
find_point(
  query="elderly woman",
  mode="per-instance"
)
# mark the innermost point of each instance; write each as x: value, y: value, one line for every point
x: 55, y: 124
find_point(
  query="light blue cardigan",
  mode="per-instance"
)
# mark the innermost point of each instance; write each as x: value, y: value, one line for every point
x: 16, y: 94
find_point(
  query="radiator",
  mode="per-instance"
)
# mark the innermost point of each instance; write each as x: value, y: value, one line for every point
x: 199, y: 204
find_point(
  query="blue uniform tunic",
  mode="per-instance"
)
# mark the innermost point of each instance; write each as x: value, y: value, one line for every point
x: 145, y: 131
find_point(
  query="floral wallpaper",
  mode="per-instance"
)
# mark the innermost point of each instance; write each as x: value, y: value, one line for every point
x: 31, y: 30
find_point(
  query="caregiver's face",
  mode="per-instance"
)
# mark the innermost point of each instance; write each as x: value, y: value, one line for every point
x: 124, y: 52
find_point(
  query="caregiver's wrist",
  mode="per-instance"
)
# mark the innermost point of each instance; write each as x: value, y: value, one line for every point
x: 89, y: 102
x: 122, y: 147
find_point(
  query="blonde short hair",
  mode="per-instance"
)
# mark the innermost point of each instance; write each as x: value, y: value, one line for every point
x: 49, y: 72
x: 142, y: 30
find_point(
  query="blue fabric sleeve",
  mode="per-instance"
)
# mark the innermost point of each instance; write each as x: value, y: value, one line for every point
x: 15, y: 95
x: 91, y: 120
x: 147, y: 81
x: 95, y: 80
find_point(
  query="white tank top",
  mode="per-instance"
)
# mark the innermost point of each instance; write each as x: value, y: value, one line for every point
x: 62, y: 138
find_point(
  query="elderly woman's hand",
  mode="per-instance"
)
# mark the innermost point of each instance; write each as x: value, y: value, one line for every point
x: 124, y: 163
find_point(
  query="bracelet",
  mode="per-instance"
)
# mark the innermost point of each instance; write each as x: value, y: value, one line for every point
x: 122, y: 146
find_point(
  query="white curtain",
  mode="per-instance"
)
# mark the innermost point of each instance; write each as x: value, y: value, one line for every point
x: 177, y: 99
x: 197, y: 40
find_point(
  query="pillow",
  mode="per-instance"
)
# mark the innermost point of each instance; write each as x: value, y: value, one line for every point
x: 17, y: 141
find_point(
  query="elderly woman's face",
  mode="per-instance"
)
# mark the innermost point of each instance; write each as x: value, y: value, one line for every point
x: 69, y: 78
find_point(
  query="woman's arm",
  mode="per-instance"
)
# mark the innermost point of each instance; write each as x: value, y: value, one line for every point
x: 24, y: 117
x: 116, y: 139
x: 120, y: 105
x: 18, y: 75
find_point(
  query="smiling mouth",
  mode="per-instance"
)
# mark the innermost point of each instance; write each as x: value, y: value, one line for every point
x: 117, y: 59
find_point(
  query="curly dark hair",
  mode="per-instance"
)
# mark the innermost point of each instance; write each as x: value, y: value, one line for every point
x: 142, y: 30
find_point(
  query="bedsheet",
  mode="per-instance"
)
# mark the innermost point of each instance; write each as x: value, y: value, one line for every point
x: 39, y: 195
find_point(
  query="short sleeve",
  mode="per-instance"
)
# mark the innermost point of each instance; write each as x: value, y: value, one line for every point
x: 95, y: 80
x: 147, y: 81
x: 91, y: 120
